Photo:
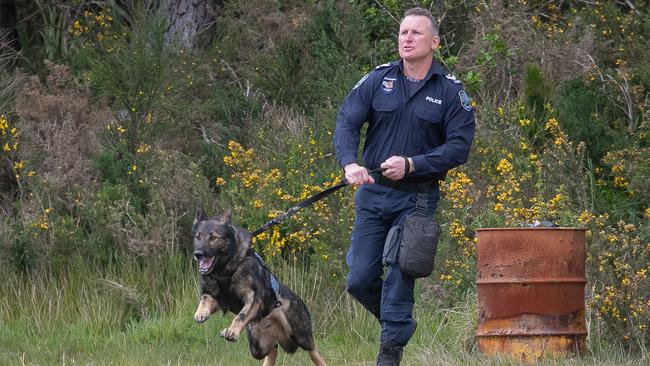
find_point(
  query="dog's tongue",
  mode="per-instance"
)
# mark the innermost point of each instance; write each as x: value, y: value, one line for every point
x: 205, y: 263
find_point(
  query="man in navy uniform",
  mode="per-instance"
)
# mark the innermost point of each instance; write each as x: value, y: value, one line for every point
x: 420, y: 125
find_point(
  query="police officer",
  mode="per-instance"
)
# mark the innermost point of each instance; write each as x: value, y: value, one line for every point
x: 420, y: 125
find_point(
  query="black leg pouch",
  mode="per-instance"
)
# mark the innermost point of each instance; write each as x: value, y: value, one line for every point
x: 419, y: 234
x: 391, y: 245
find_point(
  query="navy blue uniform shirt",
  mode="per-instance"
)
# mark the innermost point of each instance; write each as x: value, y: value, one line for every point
x: 432, y: 122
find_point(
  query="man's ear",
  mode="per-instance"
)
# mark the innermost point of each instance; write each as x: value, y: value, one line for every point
x: 435, y: 42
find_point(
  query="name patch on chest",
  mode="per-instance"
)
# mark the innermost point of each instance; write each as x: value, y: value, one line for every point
x: 388, y: 85
x: 433, y: 100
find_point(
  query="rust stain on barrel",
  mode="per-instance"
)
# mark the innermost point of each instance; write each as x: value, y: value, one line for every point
x: 531, y: 291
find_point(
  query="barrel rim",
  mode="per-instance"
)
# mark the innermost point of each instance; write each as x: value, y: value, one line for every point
x: 534, y: 280
x: 565, y: 228
x: 550, y: 333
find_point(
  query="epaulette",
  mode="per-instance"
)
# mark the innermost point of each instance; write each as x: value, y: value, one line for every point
x: 452, y: 78
x: 358, y: 84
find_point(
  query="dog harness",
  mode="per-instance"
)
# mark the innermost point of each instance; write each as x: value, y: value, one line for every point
x: 271, y: 280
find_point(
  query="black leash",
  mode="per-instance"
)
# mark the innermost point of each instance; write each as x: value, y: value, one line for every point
x: 307, y: 202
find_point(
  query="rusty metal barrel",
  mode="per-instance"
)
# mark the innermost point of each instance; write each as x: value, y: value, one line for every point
x: 531, y: 292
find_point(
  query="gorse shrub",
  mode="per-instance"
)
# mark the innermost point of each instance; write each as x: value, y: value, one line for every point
x: 135, y: 76
x: 619, y: 257
x: 261, y: 191
x: 10, y: 165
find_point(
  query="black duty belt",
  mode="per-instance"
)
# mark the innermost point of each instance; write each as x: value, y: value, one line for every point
x: 416, y: 187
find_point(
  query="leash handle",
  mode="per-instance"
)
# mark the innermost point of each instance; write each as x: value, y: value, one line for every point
x: 308, y: 201
x: 370, y: 171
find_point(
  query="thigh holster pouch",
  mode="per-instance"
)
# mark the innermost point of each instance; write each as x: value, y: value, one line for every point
x: 414, y: 241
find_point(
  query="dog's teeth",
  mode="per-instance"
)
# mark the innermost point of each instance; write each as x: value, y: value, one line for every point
x: 205, y: 263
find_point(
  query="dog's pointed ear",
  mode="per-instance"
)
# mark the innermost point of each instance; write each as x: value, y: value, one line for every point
x: 245, y: 240
x: 200, y: 216
x: 226, y: 218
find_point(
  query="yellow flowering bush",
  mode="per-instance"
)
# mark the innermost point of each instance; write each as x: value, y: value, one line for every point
x: 620, y: 265
x: 9, y: 140
x: 262, y: 190
x: 95, y: 29
x: 630, y: 171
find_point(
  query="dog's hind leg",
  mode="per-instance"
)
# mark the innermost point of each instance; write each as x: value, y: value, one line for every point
x: 207, y: 306
x: 269, y: 360
x: 316, y: 358
x: 247, y: 313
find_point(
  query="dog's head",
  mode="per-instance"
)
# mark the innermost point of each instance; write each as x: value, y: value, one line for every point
x: 217, y: 242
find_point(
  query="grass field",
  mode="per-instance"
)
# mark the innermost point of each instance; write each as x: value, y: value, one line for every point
x: 142, y: 315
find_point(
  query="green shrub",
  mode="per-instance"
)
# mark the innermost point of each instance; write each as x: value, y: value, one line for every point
x: 536, y: 90
x: 134, y: 74
x: 590, y: 117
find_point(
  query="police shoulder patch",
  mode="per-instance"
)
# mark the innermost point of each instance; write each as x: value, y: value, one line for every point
x: 358, y: 84
x: 452, y: 78
x: 465, y: 101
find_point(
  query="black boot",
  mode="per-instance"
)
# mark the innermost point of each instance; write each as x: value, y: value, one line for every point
x: 389, y: 355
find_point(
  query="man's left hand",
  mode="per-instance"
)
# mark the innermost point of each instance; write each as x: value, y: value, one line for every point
x: 395, y: 167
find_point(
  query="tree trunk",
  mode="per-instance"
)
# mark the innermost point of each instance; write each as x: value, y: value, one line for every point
x: 189, y: 20
x: 8, y: 23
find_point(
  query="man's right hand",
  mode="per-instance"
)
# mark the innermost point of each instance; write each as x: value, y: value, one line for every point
x: 357, y: 175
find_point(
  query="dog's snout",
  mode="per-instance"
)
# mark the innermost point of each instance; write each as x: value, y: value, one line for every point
x: 198, y: 254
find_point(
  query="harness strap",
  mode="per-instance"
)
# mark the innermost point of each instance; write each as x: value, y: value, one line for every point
x: 271, y: 280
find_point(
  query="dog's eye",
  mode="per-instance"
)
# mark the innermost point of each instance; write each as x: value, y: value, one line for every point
x: 214, y: 236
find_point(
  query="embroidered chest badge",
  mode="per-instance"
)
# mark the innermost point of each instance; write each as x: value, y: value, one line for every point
x: 388, y: 85
x: 465, y: 101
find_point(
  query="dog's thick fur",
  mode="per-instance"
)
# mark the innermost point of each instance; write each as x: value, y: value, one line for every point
x: 233, y: 278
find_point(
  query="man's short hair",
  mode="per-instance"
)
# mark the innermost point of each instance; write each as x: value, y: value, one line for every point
x: 424, y: 13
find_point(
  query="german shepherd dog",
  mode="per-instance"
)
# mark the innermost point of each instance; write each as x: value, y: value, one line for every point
x: 234, y: 278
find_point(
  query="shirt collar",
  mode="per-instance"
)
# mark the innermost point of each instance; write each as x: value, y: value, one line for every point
x: 434, y: 69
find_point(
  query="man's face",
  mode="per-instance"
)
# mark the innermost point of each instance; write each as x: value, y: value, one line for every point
x: 416, y: 39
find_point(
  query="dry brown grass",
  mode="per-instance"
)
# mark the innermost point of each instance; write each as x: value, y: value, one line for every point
x: 59, y: 130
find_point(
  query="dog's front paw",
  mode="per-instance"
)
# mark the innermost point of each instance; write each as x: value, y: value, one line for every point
x: 201, y: 316
x: 230, y: 335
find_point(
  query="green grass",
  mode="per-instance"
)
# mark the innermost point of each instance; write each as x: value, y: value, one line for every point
x: 142, y: 315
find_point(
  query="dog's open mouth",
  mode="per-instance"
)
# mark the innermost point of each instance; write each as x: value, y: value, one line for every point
x: 206, y: 264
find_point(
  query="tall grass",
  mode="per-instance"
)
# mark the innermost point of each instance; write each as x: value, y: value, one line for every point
x: 141, y: 314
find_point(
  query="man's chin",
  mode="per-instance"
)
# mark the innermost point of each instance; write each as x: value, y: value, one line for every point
x: 414, y: 58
